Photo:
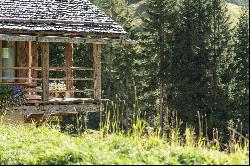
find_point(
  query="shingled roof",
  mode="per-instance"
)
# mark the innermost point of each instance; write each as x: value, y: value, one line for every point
x: 60, y: 16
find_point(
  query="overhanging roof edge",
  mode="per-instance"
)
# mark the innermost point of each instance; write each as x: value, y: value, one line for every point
x: 61, y: 39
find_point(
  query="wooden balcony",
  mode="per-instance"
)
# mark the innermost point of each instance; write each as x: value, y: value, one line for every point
x: 42, y: 100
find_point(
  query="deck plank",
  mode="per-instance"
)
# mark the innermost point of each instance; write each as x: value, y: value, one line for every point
x: 63, y: 101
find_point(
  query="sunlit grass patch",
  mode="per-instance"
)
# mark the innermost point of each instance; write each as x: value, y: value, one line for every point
x: 47, y: 145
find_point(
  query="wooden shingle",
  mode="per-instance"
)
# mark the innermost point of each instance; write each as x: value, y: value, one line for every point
x: 70, y: 16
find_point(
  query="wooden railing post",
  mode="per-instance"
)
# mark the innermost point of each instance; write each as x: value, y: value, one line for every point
x: 97, y: 70
x: 1, y: 58
x: 32, y: 60
x: 69, y: 72
x: 32, y: 64
x: 45, y: 70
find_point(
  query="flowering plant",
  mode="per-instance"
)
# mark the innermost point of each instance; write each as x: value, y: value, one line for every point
x: 57, y: 89
x: 11, y: 96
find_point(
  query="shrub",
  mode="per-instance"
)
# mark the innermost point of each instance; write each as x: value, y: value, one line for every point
x: 11, y: 96
x: 57, y: 89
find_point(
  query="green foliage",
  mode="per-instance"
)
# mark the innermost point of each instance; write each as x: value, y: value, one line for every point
x: 11, y: 96
x: 46, y: 145
x: 186, y: 46
x: 241, y: 73
x: 155, y: 51
x: 190, y: 61
x: 118, y: 61
x: 199, y: 66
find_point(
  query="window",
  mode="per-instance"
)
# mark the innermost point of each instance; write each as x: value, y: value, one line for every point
x: 7, y: 61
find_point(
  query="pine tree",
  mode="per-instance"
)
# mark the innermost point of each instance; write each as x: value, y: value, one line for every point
x: 200, y: 65
x: 190, y: 60
x: 157, y: 41
x: 221, y: 58
x: 115, y: 54
x: 241, y: 69
x: 118, y: 60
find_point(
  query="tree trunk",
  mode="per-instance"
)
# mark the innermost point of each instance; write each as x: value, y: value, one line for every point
x: 161, y: 106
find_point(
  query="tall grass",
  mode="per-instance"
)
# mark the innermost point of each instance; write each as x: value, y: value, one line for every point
x: 138, y: 127
x: 136, y: 143
x: 47, y: 145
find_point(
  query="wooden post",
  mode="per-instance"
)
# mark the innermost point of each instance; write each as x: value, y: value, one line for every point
x: 69, y: 72
x: 1, y: 58
x: 30, y: 62
x: 97, y: 70
x: 34, y: 62
x: 45, y: 70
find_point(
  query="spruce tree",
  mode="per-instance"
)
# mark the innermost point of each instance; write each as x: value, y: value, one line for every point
x: 118, y: 77
x: 200, y: 65
x: 241, y: 91
x: 221, y: 58
x: 190, y: 61
x: 160, y: 22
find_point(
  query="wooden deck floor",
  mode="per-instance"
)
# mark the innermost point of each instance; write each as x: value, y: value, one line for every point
x: 40, y: 111
x: 63, y: 101
x: 66, y: 105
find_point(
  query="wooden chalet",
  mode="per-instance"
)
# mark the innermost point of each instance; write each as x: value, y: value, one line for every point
x: 28, y: 27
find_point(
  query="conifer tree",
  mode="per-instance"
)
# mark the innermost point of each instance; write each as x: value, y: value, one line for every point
x: 159, y: 26
x: 200, y: 66
x: 114, y: 55
x: 118, y: 59
x: 190, y: 61
x: 220, y: 59
x: 241, y: 69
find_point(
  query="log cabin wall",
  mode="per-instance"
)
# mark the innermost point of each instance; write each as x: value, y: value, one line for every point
x: 22, y: 60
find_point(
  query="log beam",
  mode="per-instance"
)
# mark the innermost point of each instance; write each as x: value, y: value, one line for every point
x: 45, y: 70
x: 63, y: 39
x: 97, y: 71
x: 32, y: 64
x: 33, y: 56
x: 69, y: 72
x: 1, y: 64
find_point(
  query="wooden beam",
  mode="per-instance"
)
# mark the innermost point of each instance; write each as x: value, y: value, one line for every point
x: 84, y: 40
x: 51, y: 68
x: 75, y: 79
x: 45, y: 70
x: 17, y: 38
x: 39, y: 90
x: 1, y: 63
x: 30, y: 61
x: 55, y: 21
x: 69, y: 72
x: 26, y: 110
x: 21, y: 78
x: 58, y: 33
x: 34, y: 62
x: 16, y: 83
x: 62, y: 39
x: 97, y: 70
